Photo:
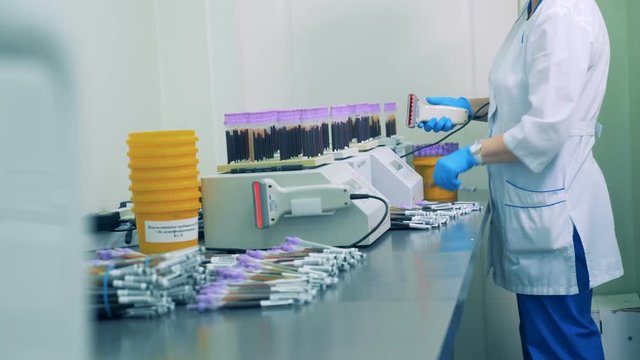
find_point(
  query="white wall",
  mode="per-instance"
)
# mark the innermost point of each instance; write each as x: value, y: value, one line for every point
x: 308, y: 53
x: 163, y: 64
x: 119, y: 86
x: 142, y: 66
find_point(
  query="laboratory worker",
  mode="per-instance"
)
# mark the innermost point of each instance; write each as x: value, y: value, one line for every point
x: 552, y: 236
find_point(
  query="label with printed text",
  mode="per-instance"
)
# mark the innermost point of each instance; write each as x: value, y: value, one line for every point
x: 171, y: 231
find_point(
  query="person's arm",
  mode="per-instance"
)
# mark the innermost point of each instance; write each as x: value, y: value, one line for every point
x: 557, y: 58
x: 476, y: 104
x: 494, y: 150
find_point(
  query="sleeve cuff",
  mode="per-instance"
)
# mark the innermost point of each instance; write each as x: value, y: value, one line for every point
x: 516, y: 141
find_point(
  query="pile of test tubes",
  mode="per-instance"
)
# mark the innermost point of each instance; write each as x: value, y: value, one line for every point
x: 126, y: 283
x: 293, y: 273
x: 289, y: 134
x: 251, y: 136
x: 340, y: 127
x: 366, y: 122
x: 315, y: 131
x: 302, y: 133
x: 430, y: 215
x: 435, y: 150
x: 390, y: 124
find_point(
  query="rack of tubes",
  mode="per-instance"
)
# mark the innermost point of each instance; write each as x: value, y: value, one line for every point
x: 300, y: 133
x: 390, y: 124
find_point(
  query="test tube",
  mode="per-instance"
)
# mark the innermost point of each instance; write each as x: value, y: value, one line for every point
x: 322, y: 114
x: 307, y: 123
x: 390, y: 113
x: 315, y: 118
x: 289, y: 129
x: 352, y: 123
x: 340, y: 127
x: 237, y: 137
x: 376, y: 130
x: 262, y: 134
x: 362, y: 125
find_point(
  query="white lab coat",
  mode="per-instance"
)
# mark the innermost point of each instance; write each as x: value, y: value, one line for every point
x: 547, y: 84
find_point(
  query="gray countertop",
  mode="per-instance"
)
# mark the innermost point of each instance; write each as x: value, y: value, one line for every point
x: 405, y: 301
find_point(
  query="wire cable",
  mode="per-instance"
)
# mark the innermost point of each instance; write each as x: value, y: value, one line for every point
x: 475, y: 117
x: 384, y: 215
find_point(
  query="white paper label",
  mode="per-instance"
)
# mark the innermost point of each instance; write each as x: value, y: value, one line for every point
x: 171, y: 231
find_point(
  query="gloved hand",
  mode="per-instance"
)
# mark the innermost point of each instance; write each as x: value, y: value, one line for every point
x: 449, y: 167
x: 435, y: 125
x: 445, y: 123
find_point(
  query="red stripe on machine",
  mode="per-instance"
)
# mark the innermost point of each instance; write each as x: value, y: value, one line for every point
x: 256, y: 195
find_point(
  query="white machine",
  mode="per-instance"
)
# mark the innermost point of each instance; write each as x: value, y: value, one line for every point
x: 258, y: 210
x: 394, y: 178
x: 418, y: 112
x: 361, y: 164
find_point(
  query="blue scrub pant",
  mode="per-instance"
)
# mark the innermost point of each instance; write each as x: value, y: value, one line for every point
x: 561, y: 326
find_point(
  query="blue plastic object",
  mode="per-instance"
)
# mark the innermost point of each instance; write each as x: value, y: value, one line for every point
x: 449, y: 167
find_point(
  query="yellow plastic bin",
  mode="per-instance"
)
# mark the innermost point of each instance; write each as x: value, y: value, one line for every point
x: 425, y: 166
x: 144, y: 152
x: 163, y: 162
x: 165, y: 184
x: 165, y: 188
x: 165, y: 195
x: 163, y: 173
x: 160, y: 138
x: 167, y: 226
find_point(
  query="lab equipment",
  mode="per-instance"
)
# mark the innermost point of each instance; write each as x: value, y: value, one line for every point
x: 392, y: 139
x: 363, y: 130
x: 430, y: 215
x: 418, y: 111
x: 262, y: 131
x: 460, y: 102
x: 289, y: 134
x: 292, y: 273
x: 127, y: 283
x: 394, y: 178
x: 165, y: 189
x: 390, y: 124
x: 237, y: 137
x: 228, y: 206
x: 272, y: 201
x: 424, y: 162
x: 341, y: 132
x: 322, y: 115
x: 362, y: 125
x: 445, y: 123
x: 361, y: 164
x: 313, y: 131
x: 287, y: 139
x: 374, y: 113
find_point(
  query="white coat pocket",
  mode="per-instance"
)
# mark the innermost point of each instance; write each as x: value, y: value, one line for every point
x: 536, y: 220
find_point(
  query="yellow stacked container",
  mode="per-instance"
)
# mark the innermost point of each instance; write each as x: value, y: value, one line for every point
x: 165, y: 189
x: 424, y: 162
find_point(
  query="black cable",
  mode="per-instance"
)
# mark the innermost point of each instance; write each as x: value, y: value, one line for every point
x: 384, y: 215
x: 475, y: 117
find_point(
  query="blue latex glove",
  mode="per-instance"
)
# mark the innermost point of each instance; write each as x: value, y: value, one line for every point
x: 436, y: 125
x: 445, y: 123
x: 461, y: 102
x: 449, y: 167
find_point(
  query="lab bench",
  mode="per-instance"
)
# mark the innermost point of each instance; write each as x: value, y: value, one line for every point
x: 405, y: 301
